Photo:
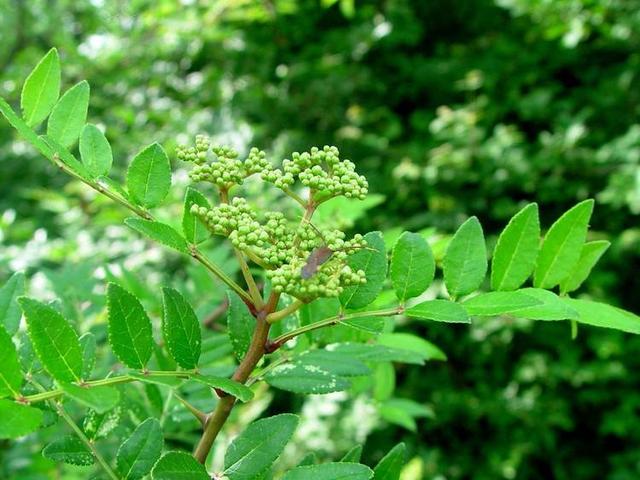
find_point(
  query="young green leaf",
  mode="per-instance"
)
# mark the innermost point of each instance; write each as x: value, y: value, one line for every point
x: 390, y: 466
x: 240, y: 325
x: 41, y: 89
x: 515, y: 254
x: 551, y: 308
x: 99, y: 398
x: 88, y: 346
x: 192, y: 228
x: 603, y: 315
x: 297, y: 377
x: 18, y: 420
x: 10, y: 373
x: 408, y: 341
x: 330, y: 471
x: 352, y: 456
x: 181, y: 329
x: 159, y: 232
x: 465, y: 261
x: 235, y: 389
x: 562, y: 246
x: 95, y: 151
x: 10, y: 312
x: 99, y: 425
x: 499, y: 303
x: 334, y: 362
x: 258, y: 446
x: 138, y: 454
x: 372, y: 352
x: 373, y: 261
x: 589, y: 256
x: 149, y: 176
x: 130, y: 334
x: 69, y: 115
x: 439, y: 311
x: 412, y: 266
x: 179, y: 466
x: 69, y: 450
x: 53, y: 339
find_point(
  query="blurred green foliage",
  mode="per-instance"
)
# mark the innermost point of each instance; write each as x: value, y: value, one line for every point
x: 450, y: 108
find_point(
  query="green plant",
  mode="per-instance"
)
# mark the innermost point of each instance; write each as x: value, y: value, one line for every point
x: 298, y: 279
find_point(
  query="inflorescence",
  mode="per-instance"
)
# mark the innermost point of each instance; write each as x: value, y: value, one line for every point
x: 282, y: 246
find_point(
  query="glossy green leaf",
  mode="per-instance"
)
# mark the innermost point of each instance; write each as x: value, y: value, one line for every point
x: 10, y: 312
x: 499, y: 303
x: 41, y: 89
x: 235, y: 389
x: 384, y: 381
x: 69, y: 115
x: 404, y: 412
x: 149, y: 176
x: 439, y: 311
x: 69, y: 449
x: 408, y: 341
x: 373, y: 261
x: 390, y: 467
x: 88, y: 346
x: 333, y: 362
x: 412, y: 266
x: 138, y: 454
x: 17, y: 420
x: 240, y: 325
x: 95, y: 151
x: 99, y: 398
x: 603, y: 315
x: 53, y: 339
x: 99, y: 425
x: 258, y: 446
x: 181, y: 329
x: 10, y: 372
x: 589, y: 256
x: 192, y: 228
x: 330, y: 471
x: 551, y: 308
x: 352, y: 456
x: 297, y: 377
x: 562, y: 246
x: 514, y: 257
x: 465, y: 261
x: 172, y: 382
x: 179, y: 466
x: 371, y: 352
x: 159, y: 232
x: 130, y: 334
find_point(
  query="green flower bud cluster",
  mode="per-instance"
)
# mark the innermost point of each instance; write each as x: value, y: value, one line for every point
x: 224, y: 170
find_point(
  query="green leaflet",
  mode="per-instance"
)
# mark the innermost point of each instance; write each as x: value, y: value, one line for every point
x: 95, y: 151
x: 562, y: 246
x: 373, y: 261
x: 192, y: 228
x: 233, y: 388
x: 53, y: 339
x: 589, y: 256
x: 240, y: 325
x: 138, y: 454
x: 99, y: 425
x: 352, y: 456
x: 181, y: 329
x: 69, y: 115
x: 258, y: 446
x: 99, y: 398
x: 149, y: 176
x: 17, y: 420
x: 10, y: 372
x: 515, y: 254
x: 465, y: 261
x: 130, y: 334
x: 408, y: 341
x: 371, y: 352
x: 304, y: 378
x: 88, y: 347
x: 499, y: 303
x: 41, y: 89
x: 412, y: 266
x: 404, y: 412
x: 439, y: 311
x: 603, y: 315
x: 179, y: 466
x: 159, y: 232
x: 390, y: 466
x: 69, y: 450
x: 551, y: 308
x: 384, y: 381
x: 10, y: 312
x: 330, y: 471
